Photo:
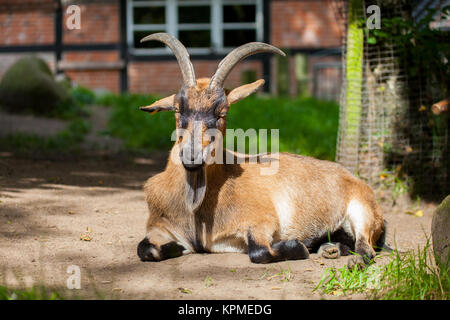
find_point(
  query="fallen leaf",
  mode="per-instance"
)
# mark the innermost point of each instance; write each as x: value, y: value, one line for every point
x: 419, y: 213
x: 422, y: 108
x: 85, y: 237
x: 319, y: 262
x: 383, y: 176
x: 71, y: 212
x: 276, y: 288
x: 184, y: 290
x: 208, y: 282
x: 88, y: 230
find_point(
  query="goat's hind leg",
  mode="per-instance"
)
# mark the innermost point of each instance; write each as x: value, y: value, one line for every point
x: 364, y: 253
x: 261, y: 251
x: 333, y: 250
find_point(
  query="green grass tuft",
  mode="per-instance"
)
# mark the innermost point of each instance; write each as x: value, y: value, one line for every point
x: 34, y: 293
x: 413, y: 275
x: 67, y: 141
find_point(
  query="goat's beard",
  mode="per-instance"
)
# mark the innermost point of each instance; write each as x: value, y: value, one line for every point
x: 195, y: 188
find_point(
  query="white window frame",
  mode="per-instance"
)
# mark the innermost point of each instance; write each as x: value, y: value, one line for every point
x: 172, y: 27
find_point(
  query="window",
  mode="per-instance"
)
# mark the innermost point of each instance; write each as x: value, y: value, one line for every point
x: 203, y: 26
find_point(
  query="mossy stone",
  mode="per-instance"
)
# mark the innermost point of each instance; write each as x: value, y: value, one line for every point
x: 440, y: 231
x: 29, y: 86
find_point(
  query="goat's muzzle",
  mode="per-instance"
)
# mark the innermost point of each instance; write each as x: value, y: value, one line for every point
x: 191, y: 158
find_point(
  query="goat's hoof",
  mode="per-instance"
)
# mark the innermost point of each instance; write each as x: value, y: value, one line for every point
x: 147, y: 251
x: 329, y: 251
x: 356, y: 261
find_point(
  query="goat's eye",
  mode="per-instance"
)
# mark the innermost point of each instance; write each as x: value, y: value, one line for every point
x: 182, y: 122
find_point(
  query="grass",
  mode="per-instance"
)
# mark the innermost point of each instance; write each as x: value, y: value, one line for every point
x: 284, y: 275
x: 34, y: 293
x: 307, y: 126
x: 413, y: 275
x: 67, y: 141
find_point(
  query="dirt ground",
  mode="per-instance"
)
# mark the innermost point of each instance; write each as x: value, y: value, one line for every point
x: 46, y: 206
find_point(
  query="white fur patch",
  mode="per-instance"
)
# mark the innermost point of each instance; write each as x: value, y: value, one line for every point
x: 356, y: 214
x: 285, y: 210
x: 155, y: 253
x: 226, y: 246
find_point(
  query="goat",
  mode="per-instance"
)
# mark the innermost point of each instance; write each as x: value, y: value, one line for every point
x: 198, y: 206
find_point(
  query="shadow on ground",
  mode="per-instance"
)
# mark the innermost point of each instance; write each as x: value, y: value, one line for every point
x: 46, y: 207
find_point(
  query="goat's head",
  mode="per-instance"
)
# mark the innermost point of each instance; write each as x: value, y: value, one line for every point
x: 201, y: 108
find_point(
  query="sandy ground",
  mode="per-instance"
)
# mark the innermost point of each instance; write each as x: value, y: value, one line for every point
x: 45, y: 206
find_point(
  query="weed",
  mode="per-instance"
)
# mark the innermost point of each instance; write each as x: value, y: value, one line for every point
x: 413, y: 275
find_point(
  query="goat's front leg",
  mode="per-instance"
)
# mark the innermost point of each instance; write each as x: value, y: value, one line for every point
x: 159, y: 245
x: 260, y: 249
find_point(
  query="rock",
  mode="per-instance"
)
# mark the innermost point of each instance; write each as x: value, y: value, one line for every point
x: 29, y: 86
x: 440, y: 231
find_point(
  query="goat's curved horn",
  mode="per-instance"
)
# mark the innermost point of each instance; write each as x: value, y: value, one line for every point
x: 228, y: 63
x: 180, y: 53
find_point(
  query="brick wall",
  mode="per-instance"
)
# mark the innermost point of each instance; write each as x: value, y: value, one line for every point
x: 25, y: 25
x: 294, y: 24
x: 28, y: 24
x: 304, y: 24
x: 100, y: 24
x: 165, y: 76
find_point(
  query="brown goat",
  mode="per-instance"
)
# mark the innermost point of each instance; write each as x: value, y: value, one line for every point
x: 199, y: 206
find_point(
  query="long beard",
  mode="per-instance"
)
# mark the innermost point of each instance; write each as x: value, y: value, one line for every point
x: 195, y: 188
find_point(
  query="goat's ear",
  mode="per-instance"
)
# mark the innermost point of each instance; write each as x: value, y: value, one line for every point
x: 164, y: 104
x: 244, y: 91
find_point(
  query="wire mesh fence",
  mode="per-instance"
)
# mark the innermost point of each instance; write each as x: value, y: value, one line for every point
x: 386, y: 127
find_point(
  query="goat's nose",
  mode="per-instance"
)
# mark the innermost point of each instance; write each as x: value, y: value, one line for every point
x: 191, y: 160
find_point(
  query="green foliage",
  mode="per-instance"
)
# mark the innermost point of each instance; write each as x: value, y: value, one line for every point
x: 307, y: 126
x: 82, y: 96
x: 413, y: 275
x: 354, y: 77
x: 424, y: 49
x: 138, y: 129
x: 67, y: 141
x: 423, y: 56
x: 396, y: 181
x: 34, y: 293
